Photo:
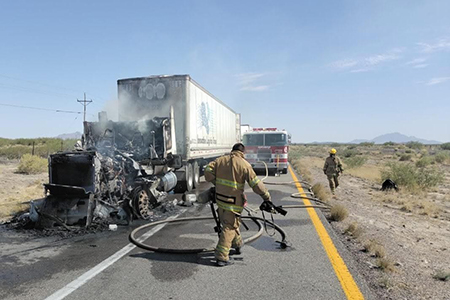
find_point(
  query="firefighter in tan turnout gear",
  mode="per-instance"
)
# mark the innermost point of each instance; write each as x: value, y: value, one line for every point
x: 229, y: 174
x: 332, y: 168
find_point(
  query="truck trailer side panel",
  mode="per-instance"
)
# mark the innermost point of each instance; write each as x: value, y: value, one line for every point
x: 211, y: 125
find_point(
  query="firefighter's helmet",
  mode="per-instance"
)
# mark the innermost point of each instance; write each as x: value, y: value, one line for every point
x: 333, y: 151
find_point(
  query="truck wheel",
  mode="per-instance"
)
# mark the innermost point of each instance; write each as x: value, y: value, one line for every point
x: 284, y: 171
x: 196, y: 175
x: 142, y: 203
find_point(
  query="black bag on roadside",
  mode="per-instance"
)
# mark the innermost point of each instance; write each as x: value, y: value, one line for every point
x: 388, y: 185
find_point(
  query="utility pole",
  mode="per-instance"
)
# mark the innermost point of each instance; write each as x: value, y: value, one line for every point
x: 85, y: 103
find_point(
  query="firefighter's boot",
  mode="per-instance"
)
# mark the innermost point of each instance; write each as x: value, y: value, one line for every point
x: 222, y: 263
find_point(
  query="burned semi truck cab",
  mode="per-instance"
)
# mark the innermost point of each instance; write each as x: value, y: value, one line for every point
x: 123, y: 171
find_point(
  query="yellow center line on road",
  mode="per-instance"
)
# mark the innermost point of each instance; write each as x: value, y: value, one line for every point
x: 348, y: 284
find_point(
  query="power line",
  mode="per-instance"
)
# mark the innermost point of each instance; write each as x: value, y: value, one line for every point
x: 41, y: 108
x: 39, y: 83
x: 84, y: 103
x: 32, y: 90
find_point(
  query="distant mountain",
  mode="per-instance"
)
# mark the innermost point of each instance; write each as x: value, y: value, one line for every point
x: 358, y: 141
x: 396, y: 137
x: 66, y: 136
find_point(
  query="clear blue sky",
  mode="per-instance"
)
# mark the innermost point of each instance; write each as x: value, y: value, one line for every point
x: 324, y: 70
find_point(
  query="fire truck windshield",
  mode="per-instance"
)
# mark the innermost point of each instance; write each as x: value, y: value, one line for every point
x: 268, y: 139
x: 275, y: 139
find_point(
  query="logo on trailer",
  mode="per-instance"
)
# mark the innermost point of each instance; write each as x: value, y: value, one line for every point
x: 204, y: 113
x: 150, y: 91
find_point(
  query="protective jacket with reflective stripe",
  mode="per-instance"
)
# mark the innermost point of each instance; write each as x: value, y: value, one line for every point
x: 332, y: 165
x: 229, y: 174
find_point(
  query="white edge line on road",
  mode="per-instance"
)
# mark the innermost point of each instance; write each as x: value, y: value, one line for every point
x: 72, y: 286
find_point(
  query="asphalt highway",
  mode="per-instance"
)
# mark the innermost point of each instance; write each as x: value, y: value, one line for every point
x: 106, y: 266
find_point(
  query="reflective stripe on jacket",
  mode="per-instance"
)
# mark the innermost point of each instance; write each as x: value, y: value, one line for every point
x: 229, y: 174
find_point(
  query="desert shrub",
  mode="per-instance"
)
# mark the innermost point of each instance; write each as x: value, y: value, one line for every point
x: 16, y: 148
x: 442, y: 156
x: 367, y: 144
x: 338, y: 213
x: 32, y: 164
x: 424, y: 161
x: 429, y: 177
x: 405, y: 157
x: 385, y: 264
x: 354, y: 230
x: 355, y: 162
x: 445, y: 146
x: 414, y: 145
x: 389, y: 144
x: 378, y: 251
x: 442, y: 275
x: 320, y: 191
x: 409, y: 176
x: 408, y: 151
x: 349, y: 152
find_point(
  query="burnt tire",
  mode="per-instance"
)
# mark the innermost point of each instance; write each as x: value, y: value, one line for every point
x: 142, y: 203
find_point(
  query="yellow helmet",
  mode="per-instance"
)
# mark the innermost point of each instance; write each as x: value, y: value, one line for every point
x: 333, y: 151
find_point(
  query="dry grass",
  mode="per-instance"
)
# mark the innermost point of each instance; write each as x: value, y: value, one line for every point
x: 385, y: 283
x: 354, y: 230
x: 369, y: 245
x: 379, y: 251
x: 321, y: 192
x: 338, y: 213
x: 385, y: 264
x: 407, y: 207
x: 14, y: 203
x: 420, y: 204
x: 369, y: 172
x: 428, y: 208
x: 374, y: 248
x: 302, y: 170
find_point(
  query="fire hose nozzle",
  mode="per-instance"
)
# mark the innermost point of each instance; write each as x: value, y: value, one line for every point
x: 284, y: 244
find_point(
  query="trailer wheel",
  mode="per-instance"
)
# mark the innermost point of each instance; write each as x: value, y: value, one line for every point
x: 187, y: 180
x: 196, y: 170
x: 189, y: 177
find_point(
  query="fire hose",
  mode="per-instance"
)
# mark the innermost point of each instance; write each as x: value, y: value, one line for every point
x: 257, y: 220
x: 142, y: 245
x: 297, y: 195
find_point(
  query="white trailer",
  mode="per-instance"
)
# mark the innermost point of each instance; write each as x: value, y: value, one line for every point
x: 202, y: 127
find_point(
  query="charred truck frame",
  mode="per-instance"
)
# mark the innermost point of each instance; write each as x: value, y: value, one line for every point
x: 169, y: 128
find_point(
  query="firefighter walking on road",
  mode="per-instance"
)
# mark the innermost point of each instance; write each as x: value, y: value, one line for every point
x: 229, y: 174
x: 332, y: 168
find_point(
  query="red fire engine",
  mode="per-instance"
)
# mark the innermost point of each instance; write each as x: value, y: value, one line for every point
x: 268, y: 145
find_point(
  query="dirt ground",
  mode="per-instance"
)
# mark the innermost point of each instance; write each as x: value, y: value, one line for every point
x: 412, y: 230
x: 17, y: 188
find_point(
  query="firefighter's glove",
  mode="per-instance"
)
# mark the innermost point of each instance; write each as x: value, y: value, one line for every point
x: 270, y: 207
x: 267, y: 206
x: 325, y: 172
